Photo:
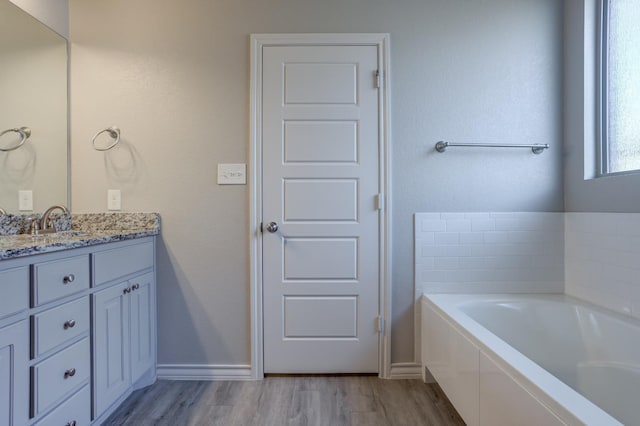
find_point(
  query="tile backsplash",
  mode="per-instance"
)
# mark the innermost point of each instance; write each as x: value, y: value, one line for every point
x: 602, y: 253
x: 489, y: 252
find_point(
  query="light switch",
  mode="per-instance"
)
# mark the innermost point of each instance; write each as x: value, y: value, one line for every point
x: 232, y: 174
x: 25, y: 200
x: 114, y: 202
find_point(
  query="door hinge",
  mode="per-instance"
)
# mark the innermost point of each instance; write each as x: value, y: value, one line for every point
x: 380, y: 324
x: 378, y: 79
x: 380, y: 201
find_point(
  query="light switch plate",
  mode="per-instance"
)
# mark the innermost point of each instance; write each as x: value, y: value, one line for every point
x: 232, y: 174
x: 114, y: 200
x: 25, y: 200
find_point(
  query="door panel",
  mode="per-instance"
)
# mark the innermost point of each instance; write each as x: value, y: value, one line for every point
x: 320, y: 182
x: 327, y: 200
x: 330, y: 83
x: 320, y: 141
x: 307, y: 317
x: 307, y: 259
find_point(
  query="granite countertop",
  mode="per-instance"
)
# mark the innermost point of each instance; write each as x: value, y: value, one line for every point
x: 86, y: 230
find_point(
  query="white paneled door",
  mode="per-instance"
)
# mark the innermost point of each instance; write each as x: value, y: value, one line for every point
x: 320, y: 189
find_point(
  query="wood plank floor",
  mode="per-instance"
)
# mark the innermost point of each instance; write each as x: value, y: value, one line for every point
x: 279, y: 401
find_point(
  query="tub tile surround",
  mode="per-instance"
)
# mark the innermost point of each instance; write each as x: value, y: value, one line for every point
x: 90, y: 229
x: 590, y: 256
x: 485, y: 252
x: 602, y: 252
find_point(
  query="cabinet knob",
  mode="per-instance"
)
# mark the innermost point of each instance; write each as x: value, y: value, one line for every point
x: 70, y: 373
x: 71, y: 423
x: 126, y: 290
x: 69, y: 279
x: 69, y: 324
x: 135, y: 286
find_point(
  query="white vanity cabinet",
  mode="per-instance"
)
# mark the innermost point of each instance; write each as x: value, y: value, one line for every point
x: 111, y: 375
x: 142, y: 325
x: 14, y: 346
x: 124, y: 324
x: 14, y: 377
x: 60, y: 345
x: 77, y: 332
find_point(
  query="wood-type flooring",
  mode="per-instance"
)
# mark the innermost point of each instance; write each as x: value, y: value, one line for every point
x: 288, y: 401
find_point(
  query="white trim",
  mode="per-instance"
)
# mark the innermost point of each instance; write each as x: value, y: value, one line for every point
x: 405, y: 370
x: 384, y: 58
x: 204, y: 372
x: 258, y: 41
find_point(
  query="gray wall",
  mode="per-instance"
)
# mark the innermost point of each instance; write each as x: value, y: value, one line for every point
x: 54, y: 13
x: 608, y: 194
x: 174, y: 75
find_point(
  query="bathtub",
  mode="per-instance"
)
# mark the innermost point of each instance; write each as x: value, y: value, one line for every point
x: 532, y: 359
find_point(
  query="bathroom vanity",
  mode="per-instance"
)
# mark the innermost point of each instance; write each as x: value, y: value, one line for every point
x: 77, y: 324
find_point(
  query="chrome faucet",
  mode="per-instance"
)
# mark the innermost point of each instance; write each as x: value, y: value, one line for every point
x: 46, y: 227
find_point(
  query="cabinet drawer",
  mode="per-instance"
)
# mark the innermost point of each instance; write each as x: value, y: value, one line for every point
x: 59, y: 375
x: 75, y: 410
x: 14, y: 288
x: 59, y: 278
x: 111, y: 264
x: 58, y: 325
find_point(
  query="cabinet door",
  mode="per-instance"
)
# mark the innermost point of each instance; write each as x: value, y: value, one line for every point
x: 14, y: 374
x: 111, y: 370
x: 142, y: 320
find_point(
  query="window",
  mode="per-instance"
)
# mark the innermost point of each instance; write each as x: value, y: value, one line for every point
x: 620, y: 86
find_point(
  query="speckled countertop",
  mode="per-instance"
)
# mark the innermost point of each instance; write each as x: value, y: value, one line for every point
x: 81, y: 230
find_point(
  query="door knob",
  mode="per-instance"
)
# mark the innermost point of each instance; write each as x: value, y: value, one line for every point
x: 272, y: 227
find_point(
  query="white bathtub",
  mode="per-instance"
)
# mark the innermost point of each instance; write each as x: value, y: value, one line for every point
x: 532, y: 359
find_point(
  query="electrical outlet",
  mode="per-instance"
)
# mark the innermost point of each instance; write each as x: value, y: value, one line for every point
x: 114, y: 200
x: 232, y: 174
x: 25, y: 200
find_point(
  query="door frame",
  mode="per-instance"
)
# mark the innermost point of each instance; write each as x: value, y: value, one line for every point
x: 258, y: 42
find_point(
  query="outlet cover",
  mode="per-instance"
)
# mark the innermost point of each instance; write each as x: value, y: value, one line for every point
x: 232, y: 174
x: 114, y: 200
x: 25, y: 200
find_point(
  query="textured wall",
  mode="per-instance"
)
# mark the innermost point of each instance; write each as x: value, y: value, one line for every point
x: 175, y: 77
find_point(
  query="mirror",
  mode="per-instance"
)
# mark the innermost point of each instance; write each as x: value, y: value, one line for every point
x: 33, y: 94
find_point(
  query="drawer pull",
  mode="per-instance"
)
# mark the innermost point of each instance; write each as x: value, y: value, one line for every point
x: 69, y: 324
x: 68, y: 279
x: 135, y: 286
x: 126, y: 290
x: 71, y: 423
x: 70, y: 373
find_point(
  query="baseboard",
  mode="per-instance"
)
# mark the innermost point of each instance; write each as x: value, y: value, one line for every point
x: 405, y: 370
x: 204, y: 372
x: 400, y: 370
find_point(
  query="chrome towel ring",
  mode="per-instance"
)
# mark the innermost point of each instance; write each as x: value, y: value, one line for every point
x: 113, y: 131
x: 24, y: 133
